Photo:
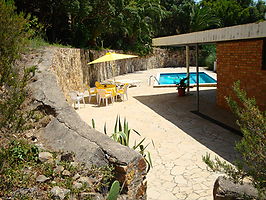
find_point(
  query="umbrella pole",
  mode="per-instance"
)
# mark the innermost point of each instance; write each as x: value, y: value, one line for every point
x: 113, y: 71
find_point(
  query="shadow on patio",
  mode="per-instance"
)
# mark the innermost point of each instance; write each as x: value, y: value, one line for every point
x: 177, y: 110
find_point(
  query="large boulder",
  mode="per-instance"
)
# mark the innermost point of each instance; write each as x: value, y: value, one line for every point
x: 225, y: 189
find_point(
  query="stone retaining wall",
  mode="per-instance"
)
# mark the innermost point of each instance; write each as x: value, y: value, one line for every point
x: 72, y: 69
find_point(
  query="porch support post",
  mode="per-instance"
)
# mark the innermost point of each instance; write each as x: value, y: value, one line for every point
x: 187, y: 65
x: 197, y: 68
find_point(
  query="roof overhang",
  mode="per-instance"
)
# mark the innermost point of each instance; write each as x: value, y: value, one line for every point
x: 240, y: 32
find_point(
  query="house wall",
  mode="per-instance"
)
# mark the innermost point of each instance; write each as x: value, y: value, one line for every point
x: 241, y: 60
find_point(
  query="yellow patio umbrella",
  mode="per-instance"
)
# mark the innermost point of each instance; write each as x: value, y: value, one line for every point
x: 112, y: 57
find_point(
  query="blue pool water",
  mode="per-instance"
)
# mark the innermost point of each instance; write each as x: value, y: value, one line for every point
x: 174, y: 78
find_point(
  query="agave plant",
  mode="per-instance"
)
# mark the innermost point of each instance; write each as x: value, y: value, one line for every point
x: 146, y: 154
x: 122, y: 135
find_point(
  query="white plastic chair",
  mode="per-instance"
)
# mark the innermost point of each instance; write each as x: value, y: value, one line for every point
x: 90, y: 92
x: 76, y: 98
x: 123, y: 92
x: 103, y: 94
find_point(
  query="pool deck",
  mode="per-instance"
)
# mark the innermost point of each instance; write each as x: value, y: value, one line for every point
x: 180, y: 137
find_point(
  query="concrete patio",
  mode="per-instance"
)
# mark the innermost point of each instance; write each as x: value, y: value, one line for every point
x: 180, y: 137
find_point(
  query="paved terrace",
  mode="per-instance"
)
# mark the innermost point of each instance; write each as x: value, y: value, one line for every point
x: 181, y: 138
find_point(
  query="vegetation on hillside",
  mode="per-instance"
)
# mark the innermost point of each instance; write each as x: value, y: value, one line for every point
x: 23, y: 175
x: 252, y: 146
x: 14, y: 34
x: 131, y: 24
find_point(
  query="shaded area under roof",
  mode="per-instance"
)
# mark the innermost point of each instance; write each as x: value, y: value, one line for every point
x: 240, y: 32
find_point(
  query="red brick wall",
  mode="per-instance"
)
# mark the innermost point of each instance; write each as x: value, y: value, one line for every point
x: 241, y: 60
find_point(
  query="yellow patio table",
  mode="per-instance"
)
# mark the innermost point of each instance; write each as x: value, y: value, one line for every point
x: 109, y: 88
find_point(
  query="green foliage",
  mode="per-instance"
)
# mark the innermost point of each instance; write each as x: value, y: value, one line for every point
x: 210, y: 61
x: 93, y: 123
x: 124, y: 24
x: 232, y: 12
x: 37, y: 42
x: 131, y: 24
x: 122, y: 135
x: 114, y: 191
x: 182, y: 83
x: 202, y: 19
x: 14, y: 34
x: 207, y: 55
x: 177, y: 19
x: 19, y: 166
x: 252, y: 146
x: 13, y: 159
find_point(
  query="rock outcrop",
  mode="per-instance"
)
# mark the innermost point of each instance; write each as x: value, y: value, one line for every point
x: 225, y: 189
x: 67, y: 132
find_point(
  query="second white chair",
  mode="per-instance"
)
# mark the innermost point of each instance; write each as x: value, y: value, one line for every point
x: 103, y: 94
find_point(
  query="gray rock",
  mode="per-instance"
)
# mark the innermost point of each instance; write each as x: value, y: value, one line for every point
x: 77, y: 185
x: 72, y: 197
x: 45, y: 156
x: 58, y: 169
x: 74, y: 164
x: 29, y: 134
x: 59, y: 193
x: 85, y: 179
x: 24, y: 191
x: 76, y: 176
x: 42, y: 178
x: 58, y: 159
x: 68, y: 157
x: 91, y: 195
x: 66, y: 173
x: 225, y: 189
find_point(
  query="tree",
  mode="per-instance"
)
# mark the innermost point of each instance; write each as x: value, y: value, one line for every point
x: 202, y: 19
x: 177, y: 19
x: 252, y: 146
x: 14, y: 34
x: 234, y: 12
x: 98, y: 23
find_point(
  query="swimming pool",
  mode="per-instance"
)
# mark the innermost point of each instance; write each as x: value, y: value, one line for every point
x: 171, y: 79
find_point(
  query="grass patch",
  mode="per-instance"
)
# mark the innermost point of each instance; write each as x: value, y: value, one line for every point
x: 38, y: 42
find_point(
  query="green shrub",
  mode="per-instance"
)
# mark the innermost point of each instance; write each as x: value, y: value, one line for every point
x: 122, y: 134
x: 210, y: 61
x: 252, y: 146
x: 14, y: 34
x: 207, y: 56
